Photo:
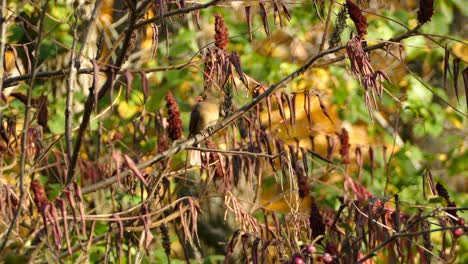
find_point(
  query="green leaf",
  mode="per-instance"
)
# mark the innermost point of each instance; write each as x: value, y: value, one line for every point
x: 437, y: 200
x: 415, y: 47
x: 418, y: 94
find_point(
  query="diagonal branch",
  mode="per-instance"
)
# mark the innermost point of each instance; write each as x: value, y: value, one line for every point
x: 220, y: 126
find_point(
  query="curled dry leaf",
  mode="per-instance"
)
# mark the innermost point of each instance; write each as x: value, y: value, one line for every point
x: 79, y: 197
x: 129, y: 80
x: 248, y: 16
x: 132, y: 166
x: 456, y: 71
x: 146, y: 220
x: 43, y: 115
x: 446, y: 67
x: 231, y: 245
x: 264, y: 16
x: 63, y: 209
x: 465, y: 81
x: 117, y: 157
x: 95, y: 81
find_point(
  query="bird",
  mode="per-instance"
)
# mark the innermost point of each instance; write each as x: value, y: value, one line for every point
x: 204, y: 114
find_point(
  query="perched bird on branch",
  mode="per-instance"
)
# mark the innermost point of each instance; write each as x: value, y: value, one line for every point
x: 204, y: 114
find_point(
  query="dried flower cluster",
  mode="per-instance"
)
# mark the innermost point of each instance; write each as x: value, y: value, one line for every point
x: 316, y: 221
x: 345, y: 146
x: 442, y: 192
x: 426, y: 10
x: 221, y: 33
x: 175, y: 124
x: 359, y: 20
x: 220, y: 65
x: 166, y: 242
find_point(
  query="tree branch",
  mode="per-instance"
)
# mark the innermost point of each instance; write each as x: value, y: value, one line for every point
x: 220, y: 126
x: 24, y: 138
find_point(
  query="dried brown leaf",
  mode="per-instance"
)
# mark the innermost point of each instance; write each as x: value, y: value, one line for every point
x: 56, y: 226
x: 456, y: 71
x: 324, y: 108
x: 129, y: 80
x: 465, y: 81
x: 264, y: 16
x: 292, y: 107
x: 132, y: 166
x: 359, y: 161
x: 286, y: 11
x: 146, y: 220
x: 372, y: 162
x: 43, y: 113
x: 268, y: 102
x: 281, y: 110
x: 79, y: 197
x: 255, y: 250
x: 145, y: 85
x: 95, y: 81
x: 231, y: 246
x: 154, y: 39
x: 234, y: 58
x: 446, y: 67
x: 63, y: 210
x: 117, y: 157
x: 248, y: 16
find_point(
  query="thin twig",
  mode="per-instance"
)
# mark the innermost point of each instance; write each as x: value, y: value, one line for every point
x: 327, y: 24
x: 399, y: 235
x: 90, y: 101
x: 24, y: 138
x: 176, y: 12
x: 70, y: 90
x: 74, y: 67
x: 234, y: 152
x: 202, y: 137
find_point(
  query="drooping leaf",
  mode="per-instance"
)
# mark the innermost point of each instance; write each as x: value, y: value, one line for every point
x: 446, y: 67
x: 324, y: 108
x: 145, y: 85
x: 281, y: 110
x: 132, y: 166
x: 129, y: 80
x: 63, y: 210
x: 95, y: 82
x: 248, y: 16
x: 456, y: 71
x: 264, y: 16
x: 465, y: 81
